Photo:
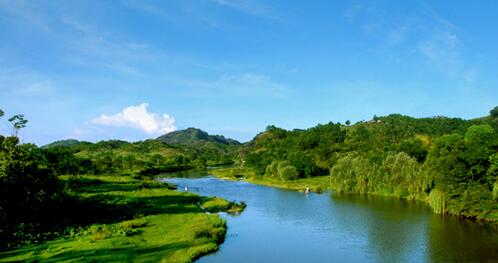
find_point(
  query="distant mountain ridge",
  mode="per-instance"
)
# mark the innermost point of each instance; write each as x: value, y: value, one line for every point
x: 65, y: 143
x: 192, y: 136
x: 189, y: 136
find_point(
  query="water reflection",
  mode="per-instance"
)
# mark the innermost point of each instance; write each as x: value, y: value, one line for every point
x: 453, y: 240
x: 394, y: 228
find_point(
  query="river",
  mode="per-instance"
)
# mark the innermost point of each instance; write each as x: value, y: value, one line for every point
x: 287, y: 226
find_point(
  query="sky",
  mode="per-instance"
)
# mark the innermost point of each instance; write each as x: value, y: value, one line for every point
x: 132, y: 70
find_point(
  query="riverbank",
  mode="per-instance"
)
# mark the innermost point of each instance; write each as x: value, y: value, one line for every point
x: 117, y: 218
x: 315, y: 184
x: 322, y: 183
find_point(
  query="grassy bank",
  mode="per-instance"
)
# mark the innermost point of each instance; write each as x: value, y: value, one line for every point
x: 124, y: 219
x: 322, y: 183
x: 315, y: 184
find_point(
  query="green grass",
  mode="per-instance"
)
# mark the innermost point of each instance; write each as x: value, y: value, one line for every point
x: 216, y: 204
x: 121, y: 219
x: 315, y: 184
x: 232, y: 173
x: 322, y: 183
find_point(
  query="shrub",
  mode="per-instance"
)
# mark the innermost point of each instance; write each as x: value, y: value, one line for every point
x: 288, y: 172
x: 437, y: 201
x: 495, y: 191
x: 132, y: 224
x: 100, y: 232
x: 272, y: 169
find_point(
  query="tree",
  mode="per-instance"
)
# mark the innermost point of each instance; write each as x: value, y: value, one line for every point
x: 415, y: 148
x: 271, y: 169
x: 288, y: 172
x: 492, y: 174
x: 494, y: 112
x: 446, y: 160
x: 480, y: 134
x: 480, y: 143
x: 348, y: 122
x: 18, y: 122
x: 26, y: 187
x: 1, y: 137
x: 303, y: 163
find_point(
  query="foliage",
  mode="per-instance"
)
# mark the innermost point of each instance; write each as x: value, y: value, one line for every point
x: 494, y: 112
x: 18, y: 122
x: 193, y: 136
x: 437, y: 201
x: 61, y: 161
x: 149, y: 157
x: 463, y: 169
x: 216, y: 204
x: 398, y: 174
x: 451, y: 162
x: 287, y: 172
x: 117, y: 218
x: 414, y: 147
x: 36, y: 206
x: 283, y: 170
x: 315, y: 183
x: 28, y: 190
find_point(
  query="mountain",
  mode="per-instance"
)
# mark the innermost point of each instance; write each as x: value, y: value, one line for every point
x: 66, y: 143
x: 193, y: 136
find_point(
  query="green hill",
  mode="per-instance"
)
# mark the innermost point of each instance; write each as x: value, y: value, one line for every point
x: 193, y: 136
x: 65, y: 143
x: 452, y: 163
x: 186, y: 149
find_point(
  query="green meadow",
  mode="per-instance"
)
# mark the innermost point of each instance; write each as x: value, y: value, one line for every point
x: 122, y: 219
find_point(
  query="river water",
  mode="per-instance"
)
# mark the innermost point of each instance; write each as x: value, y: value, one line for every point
x: 287, y: 226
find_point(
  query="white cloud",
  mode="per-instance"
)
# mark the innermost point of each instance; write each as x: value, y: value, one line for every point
x: 441, y: 50
x: 138, y: 117
x: 25, y: 83
x: 241, y: 85
x: 245, y: 6
x: 422, y: 33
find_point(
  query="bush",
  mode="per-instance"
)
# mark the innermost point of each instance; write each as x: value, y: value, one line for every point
x: 27, y: 189
x: 288, y: 172
x: 437, y: 201
x: 100, y: 232
x: 272, y: 169
x: 132, y: 224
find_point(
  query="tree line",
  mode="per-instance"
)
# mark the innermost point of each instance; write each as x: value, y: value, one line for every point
x: 451, y: 163
x: 34, y: 202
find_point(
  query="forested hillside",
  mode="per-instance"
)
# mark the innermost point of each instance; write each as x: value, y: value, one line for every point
x: 193, y: 137
x: 73, y: 200
x: 449, y: 162
x: 186, y: 149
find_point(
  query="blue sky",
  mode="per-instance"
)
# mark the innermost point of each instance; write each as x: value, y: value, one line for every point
x: 132, y: 70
